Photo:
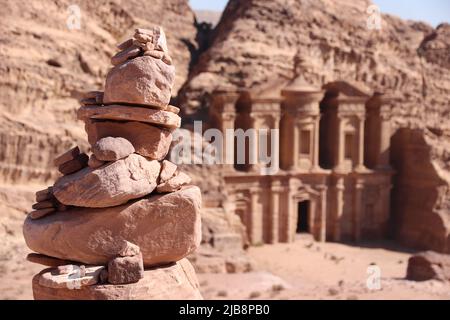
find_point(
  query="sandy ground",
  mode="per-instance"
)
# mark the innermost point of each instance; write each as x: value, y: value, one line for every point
x: 301, y: 270
x: 309, y: 270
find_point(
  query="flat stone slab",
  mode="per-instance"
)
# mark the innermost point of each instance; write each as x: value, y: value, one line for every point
x: 72, y: 280
x: 149, y: 141
x: 167, y: 228
x: 177, y: 281
x: 110, y: 185
x: 127, y: 113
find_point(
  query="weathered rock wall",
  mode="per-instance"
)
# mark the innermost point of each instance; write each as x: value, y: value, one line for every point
x: 270, y: 42
x: 265, y: 44
x: 421, y: 193
x: 45, y: 66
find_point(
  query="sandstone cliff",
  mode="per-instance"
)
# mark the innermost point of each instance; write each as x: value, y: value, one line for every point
x: 421, y: 194
x: 261, y: 44
x: 45, y: 66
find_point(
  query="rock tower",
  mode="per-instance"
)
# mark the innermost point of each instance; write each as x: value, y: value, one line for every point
x: 119, y: 223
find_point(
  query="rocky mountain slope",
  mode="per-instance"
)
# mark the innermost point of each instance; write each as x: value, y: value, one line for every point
x: 261, y: 44
x: 45, y: 65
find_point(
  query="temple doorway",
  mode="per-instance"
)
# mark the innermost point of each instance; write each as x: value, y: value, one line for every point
x: 303, y: 217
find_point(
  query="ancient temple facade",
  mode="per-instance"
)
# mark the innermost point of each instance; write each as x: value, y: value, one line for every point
x: 334, y: 177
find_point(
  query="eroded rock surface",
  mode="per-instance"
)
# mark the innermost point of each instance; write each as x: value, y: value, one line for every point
x: 166, y: 228
x: 110, y: 185
x: 173, y: 282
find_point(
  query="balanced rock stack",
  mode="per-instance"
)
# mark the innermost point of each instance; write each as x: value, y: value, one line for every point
x: 120, y: 223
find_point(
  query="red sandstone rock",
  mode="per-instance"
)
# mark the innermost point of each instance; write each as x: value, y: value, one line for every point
x: 44, y: 205
x: 38, y: 214
x: 74, y: 165
x: 172, y: 282
x: 132, y: 113
x: 112, y: 149
x: 94, y: 163
x: 165, y: 227
x: 125, y: 45
x: 428, y: 266
x: 110, y: 185
x: 44, y: 194
x: 46, y: 260
x: 126, y: 54
x: 148, y: 141
x: 129, y: 249
x: 67, y: 156
x: 81, y: 276
x: 174, y: 183
x: 125, y: 270
x: 168, y: 170
x: 143, y: 80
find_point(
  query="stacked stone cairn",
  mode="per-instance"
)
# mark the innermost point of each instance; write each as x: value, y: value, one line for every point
x: 120, y: 223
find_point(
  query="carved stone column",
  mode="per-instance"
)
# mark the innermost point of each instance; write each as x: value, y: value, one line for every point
x: 323, y: 213
x: 316, y: 144
x: 256, y: 224
x: 254, y: 144
x: 275, y: 212
x: 340, y: 145
x: 296, y: 150
x: 358, y: 209
x: 385, y: 138
x: 223, y: 116
x: 340, y: 187
x: 360, y: 156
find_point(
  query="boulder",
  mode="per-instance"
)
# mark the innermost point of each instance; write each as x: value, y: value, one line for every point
x: 66, y: 156
x: 143, y: 80
x: 429, y: 265
x: 125, y: 270
x: 176, y: 281
x: 166, y: 228
x: 45, y: 194
x: 74, y: 165
x: 174, y: 183
x: 129, y: 249
x: 129, y: 113
x: 94, y: 163
x: 128, y: 53
x: 168, y: 170
x: 147, y: 140
x: 112, y: 149
x: 110, y: 185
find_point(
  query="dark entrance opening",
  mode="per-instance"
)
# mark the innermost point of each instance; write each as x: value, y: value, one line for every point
x: 303, y: 217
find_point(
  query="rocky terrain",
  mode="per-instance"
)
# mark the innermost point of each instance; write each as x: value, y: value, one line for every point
x: 257, y: 44
x: 46, y: 66
x: 264, y: 45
